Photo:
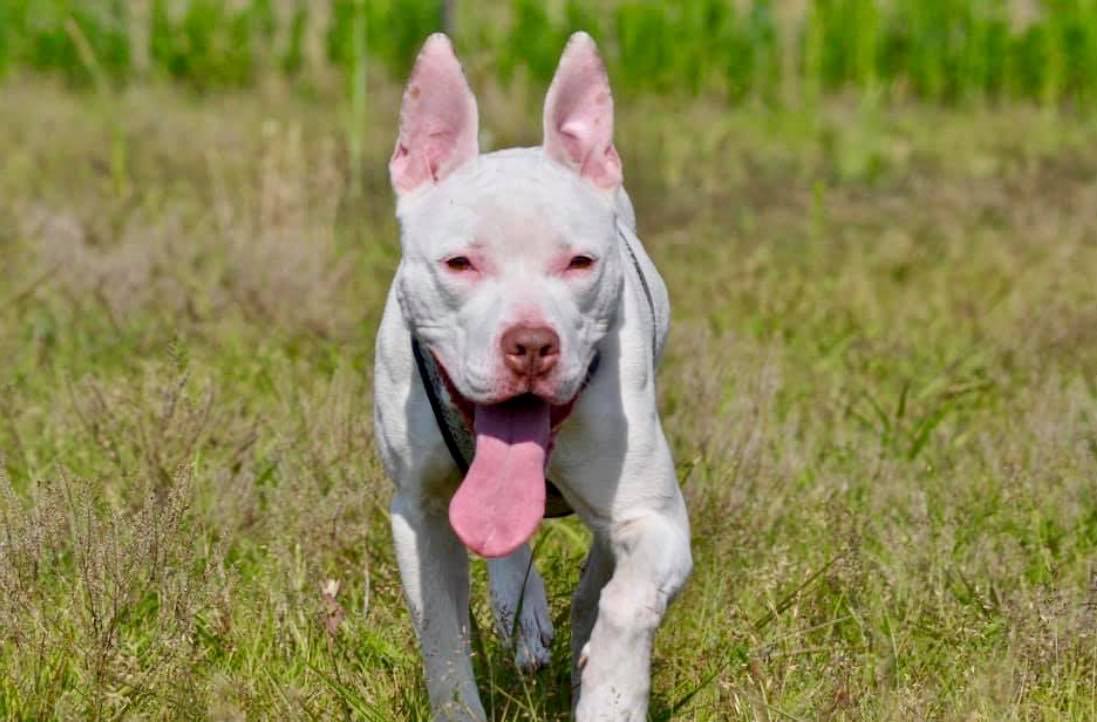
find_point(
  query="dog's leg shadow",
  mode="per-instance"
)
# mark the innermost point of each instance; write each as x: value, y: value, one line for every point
x: 597, y: 570
x: 520, y: 607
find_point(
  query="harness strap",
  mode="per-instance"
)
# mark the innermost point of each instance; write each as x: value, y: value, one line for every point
x: 644, y: 285
x: 430, y: 382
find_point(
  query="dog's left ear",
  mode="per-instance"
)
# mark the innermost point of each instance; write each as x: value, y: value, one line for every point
x: 579, y: 115
x: 438, y: 120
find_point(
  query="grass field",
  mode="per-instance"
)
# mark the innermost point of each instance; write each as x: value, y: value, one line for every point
x: 940, y: 51
x: 881, y: 390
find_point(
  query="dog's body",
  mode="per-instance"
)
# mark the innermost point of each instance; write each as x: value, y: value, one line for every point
x: 523, y: 278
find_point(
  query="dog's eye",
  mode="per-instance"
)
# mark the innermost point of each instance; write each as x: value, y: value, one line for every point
x: 459, y: 263
x: 580, y: 263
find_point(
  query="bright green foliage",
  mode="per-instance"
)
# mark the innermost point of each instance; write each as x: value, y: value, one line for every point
x: 71, y: 36
x: 395, y: 30
x: 294, y: 57
x: 941, y: 50
x: 209, y: 45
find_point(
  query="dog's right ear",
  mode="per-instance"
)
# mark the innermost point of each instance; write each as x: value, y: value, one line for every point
x: 579, y: 115
x: 438, y: 120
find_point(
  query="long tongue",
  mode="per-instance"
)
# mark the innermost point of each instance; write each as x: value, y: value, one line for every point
x: 502, y: 499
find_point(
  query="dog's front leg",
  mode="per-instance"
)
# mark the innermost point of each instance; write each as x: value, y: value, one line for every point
x: 521, y: 608
x: 434, y: 567
x: 652, y: 561
x: 597, y: 570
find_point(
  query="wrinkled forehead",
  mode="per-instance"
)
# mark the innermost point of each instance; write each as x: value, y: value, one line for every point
x: 506, y: 203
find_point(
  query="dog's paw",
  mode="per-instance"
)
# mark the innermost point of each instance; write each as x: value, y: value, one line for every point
x: 518, y: 590
x: 533, y: 634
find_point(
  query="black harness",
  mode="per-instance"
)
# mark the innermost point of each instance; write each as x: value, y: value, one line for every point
x: 451, y: 425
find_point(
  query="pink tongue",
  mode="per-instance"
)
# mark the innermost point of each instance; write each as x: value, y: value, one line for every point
x: 502, y: 499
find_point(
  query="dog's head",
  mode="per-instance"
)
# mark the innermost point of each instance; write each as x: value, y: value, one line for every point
x: 511, y: 271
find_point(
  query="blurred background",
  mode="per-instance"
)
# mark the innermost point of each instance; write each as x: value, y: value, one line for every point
x: 947, y: 51
x: 878, y: 224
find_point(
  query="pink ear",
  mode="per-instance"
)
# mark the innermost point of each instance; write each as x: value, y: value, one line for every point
x: 579, y: 115
x: 438, y: 120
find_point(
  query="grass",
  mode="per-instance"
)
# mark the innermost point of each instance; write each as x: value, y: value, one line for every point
x: 942, y: 51
x: 881, y: 390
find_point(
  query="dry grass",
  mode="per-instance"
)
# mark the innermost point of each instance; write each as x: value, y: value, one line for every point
x: 881, y: 390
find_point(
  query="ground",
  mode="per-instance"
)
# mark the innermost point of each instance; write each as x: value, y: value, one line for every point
x: 881, y: 390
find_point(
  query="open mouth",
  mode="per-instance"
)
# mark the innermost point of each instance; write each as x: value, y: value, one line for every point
x: 558, y: 413
x: 501, y: 500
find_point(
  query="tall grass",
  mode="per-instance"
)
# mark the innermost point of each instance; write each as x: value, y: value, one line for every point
x: 947, y: 51
x: 880, y: 389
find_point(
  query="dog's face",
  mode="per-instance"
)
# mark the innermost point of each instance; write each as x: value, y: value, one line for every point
x: 511, y: 271
x: 510, y: 276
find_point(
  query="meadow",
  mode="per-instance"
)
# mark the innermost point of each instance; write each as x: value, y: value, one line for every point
x: 938, y: 50
x: 880, y: 388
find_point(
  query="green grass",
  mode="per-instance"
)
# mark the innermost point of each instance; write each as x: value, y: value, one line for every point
x: 942, y: 51
x: 881, y: 390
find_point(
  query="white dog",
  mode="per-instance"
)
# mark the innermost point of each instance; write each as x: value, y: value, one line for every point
x: 519, y: 343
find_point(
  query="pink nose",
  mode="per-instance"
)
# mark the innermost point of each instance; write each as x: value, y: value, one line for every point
x: 530, y: 350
